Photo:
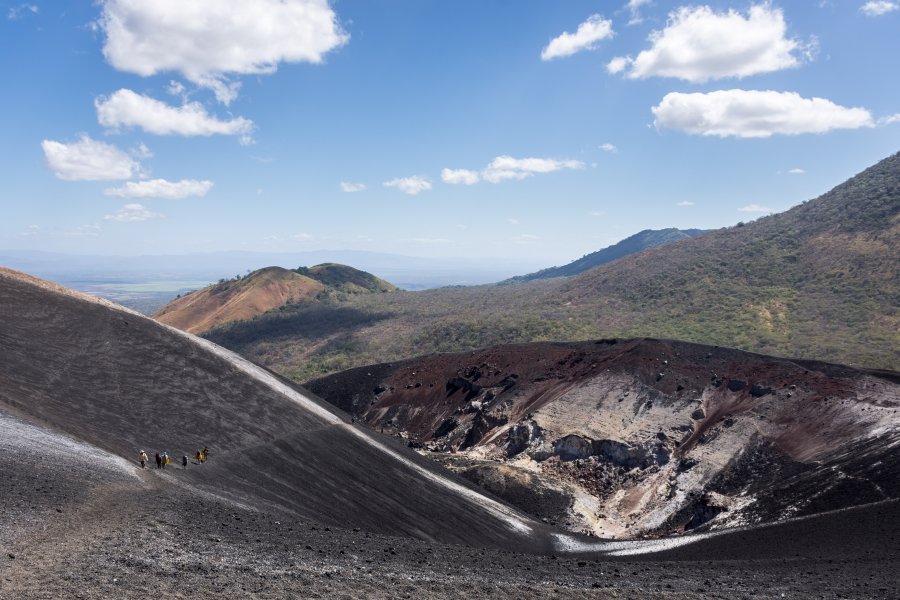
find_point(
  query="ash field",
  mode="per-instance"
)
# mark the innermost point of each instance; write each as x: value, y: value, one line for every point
x: 302, y: 499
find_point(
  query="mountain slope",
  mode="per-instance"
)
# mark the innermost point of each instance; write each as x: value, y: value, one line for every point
x: 120, y: 382
x: 264, y: 290
x: 820, y: 281
x: 648, y: 238
x: 346, y: 279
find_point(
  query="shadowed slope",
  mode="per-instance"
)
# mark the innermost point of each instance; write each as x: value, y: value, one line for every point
x: 123, y: 382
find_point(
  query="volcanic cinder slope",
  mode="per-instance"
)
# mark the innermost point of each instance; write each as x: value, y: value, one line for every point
x: 122, y: 382
x: 621, y: 438
x: 296, y: 500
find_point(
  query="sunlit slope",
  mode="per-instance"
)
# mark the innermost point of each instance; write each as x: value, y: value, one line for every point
x: 239, y: 299
x: 123, y: 383
x: 819, y: 281
x: 264, y: 290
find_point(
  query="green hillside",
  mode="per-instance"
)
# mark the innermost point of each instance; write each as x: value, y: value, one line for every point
x: 821, y: 280
x: 346, y: 278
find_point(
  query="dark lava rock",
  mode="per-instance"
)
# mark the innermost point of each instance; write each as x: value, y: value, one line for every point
x: 758, y: 391
x: 446, y: 427
x: 736, y: 385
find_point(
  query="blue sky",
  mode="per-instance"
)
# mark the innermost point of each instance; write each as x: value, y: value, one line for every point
x: 512, y: 130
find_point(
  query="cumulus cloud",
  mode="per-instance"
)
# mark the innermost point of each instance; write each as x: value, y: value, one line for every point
x: 618, y: 64
x: 890, y: 119
x: 132, y: 213
x: 587, y: 35
x: 208, y: 42
x: 409, y: 185
x: 89, y: 160
x: 160, y: 188
x: 878, y: 8
x: 460, y: 176
x: 755, y: 114
x: 608, y: 148
x: 125, y: 108
x: 634, y: 7
x: 352, y: 187
x: 699, y: 44
x: 507, y: 167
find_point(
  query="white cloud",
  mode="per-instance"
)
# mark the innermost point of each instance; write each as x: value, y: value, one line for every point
x: 895, y: 118
x: 142, y: 151
x: 160, y: 188
x: 634, y: 6
x: 302, y: 237
x: 587, y: 35
x: 618, y: 64
x: 513, y: 221
x: 460, y: 176
x: 209, y: 41
x: 699, y: 44
x: 796, y: 171
x: 685, y: 203
x: 409, y: 185
x: 597, y: 213
x: 507, y: 167
x: 878, y: 8
x: 352, y: 187
x: 755, y: 114
x: 22, y: 10
x: 132, y: 213
x: 89, y: 160
x: 176, y: 88
x: 755, y: 208
x: 126, y: 108
x: 421, y: 240
x: 608, y: 148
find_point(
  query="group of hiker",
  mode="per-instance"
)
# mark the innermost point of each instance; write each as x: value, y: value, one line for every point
x: 163, y: 459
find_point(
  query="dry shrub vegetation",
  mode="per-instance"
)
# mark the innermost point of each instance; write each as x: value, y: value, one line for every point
x: 821, y: 281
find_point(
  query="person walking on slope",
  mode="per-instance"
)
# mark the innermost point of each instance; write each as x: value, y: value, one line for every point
x: 184, y: 461
x: 158, y: 461
x: 143, y: 458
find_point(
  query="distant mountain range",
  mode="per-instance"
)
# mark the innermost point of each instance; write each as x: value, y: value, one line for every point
x: 648, y: 238
x: 821, y: 280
